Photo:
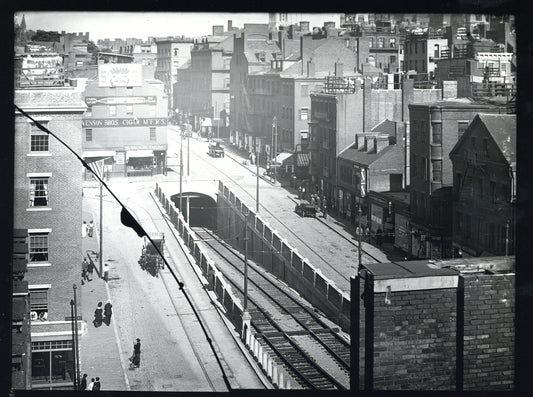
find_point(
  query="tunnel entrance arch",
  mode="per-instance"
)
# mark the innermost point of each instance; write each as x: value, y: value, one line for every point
x: 201, y: 207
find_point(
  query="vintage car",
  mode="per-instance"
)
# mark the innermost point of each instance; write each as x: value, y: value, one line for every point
x: 215, y: 150
x: 305, y: 208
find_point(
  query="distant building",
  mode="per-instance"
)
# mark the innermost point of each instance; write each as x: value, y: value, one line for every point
x: 484, y: 185
x: 421, y: 50
x: 126, y: 122
x: 48, y: 204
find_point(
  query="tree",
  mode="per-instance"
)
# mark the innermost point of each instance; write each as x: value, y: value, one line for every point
x: 43, y: 35
x: 91, y: 47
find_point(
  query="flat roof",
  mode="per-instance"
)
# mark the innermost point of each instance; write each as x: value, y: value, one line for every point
x: 407, y: 269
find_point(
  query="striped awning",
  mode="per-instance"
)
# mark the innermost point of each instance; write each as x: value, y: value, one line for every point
x: 283, y: 158
x: 302, y: 160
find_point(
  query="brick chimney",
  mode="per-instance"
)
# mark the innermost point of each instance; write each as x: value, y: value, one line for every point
x: 382, y: 141
x: 230, y: 25
x: 310, y: 68
x: 360, y: 141
x: 370, y: 141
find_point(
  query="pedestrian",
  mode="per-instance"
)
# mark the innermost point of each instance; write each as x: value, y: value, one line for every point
x: 318, y: 202
x: 83, y: 383
x: 90, y: 269
x: 300, y: 192
x: 303, y: 192
x: 324, y: 208
x: 136, y: 357
x: 98, y: 315
x: 84, y: 229
x: 91, y: 385
x: 90, y: 229
x: 84, y: 269
x: 105, y: 270
x: 379, y: 236
x: 96, y: 386
x: 108, y: 312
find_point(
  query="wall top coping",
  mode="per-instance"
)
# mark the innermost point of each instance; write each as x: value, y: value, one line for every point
x: 407, y: 269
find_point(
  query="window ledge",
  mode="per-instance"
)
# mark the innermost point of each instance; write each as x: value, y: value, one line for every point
x: 39, y: 264
x: 39, y: 209
x: 36, y: 154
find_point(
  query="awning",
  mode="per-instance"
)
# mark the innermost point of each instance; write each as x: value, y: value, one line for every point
x: 98, y: 153
x: 302, y: 160
x: 139, y: 153
x: 282, y: 158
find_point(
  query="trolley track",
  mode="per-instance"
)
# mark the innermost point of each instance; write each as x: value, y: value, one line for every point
x: 271, y: 302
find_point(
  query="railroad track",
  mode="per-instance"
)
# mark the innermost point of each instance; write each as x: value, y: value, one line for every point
x: 279, y: 319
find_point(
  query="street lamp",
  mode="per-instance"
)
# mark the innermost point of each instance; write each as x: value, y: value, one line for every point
x: 181, y: 172
x: 76, y: 334
x: 245, y: 260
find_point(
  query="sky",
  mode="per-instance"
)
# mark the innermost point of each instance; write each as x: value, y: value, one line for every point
x: 140, y: 25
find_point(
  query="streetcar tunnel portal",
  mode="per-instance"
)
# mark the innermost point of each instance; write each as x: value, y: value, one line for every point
x: 201, y: 207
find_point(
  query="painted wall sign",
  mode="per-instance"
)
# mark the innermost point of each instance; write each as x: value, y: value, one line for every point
x: 130, y: 122
x: 124, y: 100
x: 120, y: 75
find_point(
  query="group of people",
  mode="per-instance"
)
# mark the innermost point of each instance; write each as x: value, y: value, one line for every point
x: 103, y: 315
x: 87, y: 229
x: 87, y: 269
x: 94, y: 385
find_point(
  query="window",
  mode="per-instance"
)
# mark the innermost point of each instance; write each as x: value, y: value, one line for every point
x: 152, y: 110
x: 461, y: 128
x: 393, y: 59
x: 38, y: 192
x: 88, y: 135
x: 437, y: 133
x: 112, y: 110
x: 227, y: 82
x: 152, y: 133
x: 437, y: 170
x: 129, y: 110
x: 38, y: 139
x: 436, y: 52
x: 381, y: 42
x: 38, y: 299
x: 304, y: 113
x: 38, y: 247
x: 392, y: 42
x: 175, y: 52
x: 371, y: 42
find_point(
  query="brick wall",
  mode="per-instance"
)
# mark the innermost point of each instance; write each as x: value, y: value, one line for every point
x: 489, y: 329
x: 414, y: 340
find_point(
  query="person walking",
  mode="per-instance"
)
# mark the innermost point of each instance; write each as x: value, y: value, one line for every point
x: 84, y: 269
x: 97, y: 386
x: 105, y: 271
x: 107, y: 312
x: 91, y: 385
x: 324, y: 208
x: 84, y: 229
x: 136, y: 357
x: 379, y: 236
x: 98, y: 315
x: 90, y: 269
x: 83, y: 383
x: 90, y: 229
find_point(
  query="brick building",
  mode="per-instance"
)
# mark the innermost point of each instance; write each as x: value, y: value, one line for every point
x: 48, y: 203
x: 126, y: 121
x: 435, y: 129
x: 422, y: 49
x: 484, y: 170
x: 171, y: 54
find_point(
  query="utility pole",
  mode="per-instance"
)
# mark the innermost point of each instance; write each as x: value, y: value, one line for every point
x: 181, y: 172
x: 246, y: 261
x: 73, y: 343
x: 275, y: 129
x: 101, y: 255
x: 257, y: 184
x: 360, y: 237
x: 188, y: 152
x: 76, y: 334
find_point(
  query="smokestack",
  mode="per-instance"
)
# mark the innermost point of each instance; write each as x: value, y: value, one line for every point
x: 230, y: 25
x: 310, y: 68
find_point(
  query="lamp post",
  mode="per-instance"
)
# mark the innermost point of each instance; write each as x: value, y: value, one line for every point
x: 246, y: 261
x: 360, y: 254
x: 75, y: 380
x: 76, y: 333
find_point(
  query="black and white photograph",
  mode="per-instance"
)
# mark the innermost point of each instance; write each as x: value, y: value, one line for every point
x: 261, y: 201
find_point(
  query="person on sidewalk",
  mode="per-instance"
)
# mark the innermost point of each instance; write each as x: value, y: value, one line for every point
x: 136, y: 357
x: 107, y: 312
x: 96, y: 386
x: 84, y: 269
x: 90, y: 269
x: 105, y: 271
x: 83, y: 383
x: 90, y: 229
x: 98, y: 315
x: 84, y: 229
x: 379, y: 236
x: 91, y: 385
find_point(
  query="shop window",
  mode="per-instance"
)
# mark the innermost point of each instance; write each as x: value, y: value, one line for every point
x: 88, y: 135
x: 38, y: 192
x: 52, y: 362
x: 38, y: 247
x: 38, y: 139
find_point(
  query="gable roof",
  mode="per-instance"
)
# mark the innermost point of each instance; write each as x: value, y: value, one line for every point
x: 357, y: 156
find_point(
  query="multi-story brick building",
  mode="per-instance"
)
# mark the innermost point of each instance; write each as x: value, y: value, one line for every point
x: 171, y: 54
x: 435, y: 129
x: 126, y: 121
x: 48, y: 203
x: 484, y: 184
x: 422, y: 49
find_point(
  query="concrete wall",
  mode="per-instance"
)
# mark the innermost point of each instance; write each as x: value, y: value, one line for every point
x: 268, y: 249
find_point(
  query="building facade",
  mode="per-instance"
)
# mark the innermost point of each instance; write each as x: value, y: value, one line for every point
x: 48, y: 203
x: 435, y: 129
x: 421, y: 51
x: 484, y: 172
x: 126, y: 122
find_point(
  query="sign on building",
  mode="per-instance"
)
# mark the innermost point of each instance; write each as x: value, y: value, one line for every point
x: 123, y: 100
x: 130, y: 122
x: 120, y: 75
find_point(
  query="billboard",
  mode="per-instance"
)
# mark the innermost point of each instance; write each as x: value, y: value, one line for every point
x: 124, y: 100
x: 120, y: 75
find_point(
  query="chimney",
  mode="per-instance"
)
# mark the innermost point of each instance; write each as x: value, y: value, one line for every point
x: 382, y: 141
x: 338, y: 68
x: 310, y: 68
x: 370, y: 141
x: 218, y: 30
x: 304, y: 26
x: 360, y: 139
x: 230, y: 25
x: 449, y: 89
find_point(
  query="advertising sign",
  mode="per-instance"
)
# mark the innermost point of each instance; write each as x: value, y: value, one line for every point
x: 120, y: 75
x: 124, y: 100
x: 131, y: 122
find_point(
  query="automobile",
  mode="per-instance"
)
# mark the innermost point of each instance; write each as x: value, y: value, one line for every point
x: 305, y: 208
x: 215, y: 150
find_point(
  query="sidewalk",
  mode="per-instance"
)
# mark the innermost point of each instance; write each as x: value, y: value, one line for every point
x: 99, y: 351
